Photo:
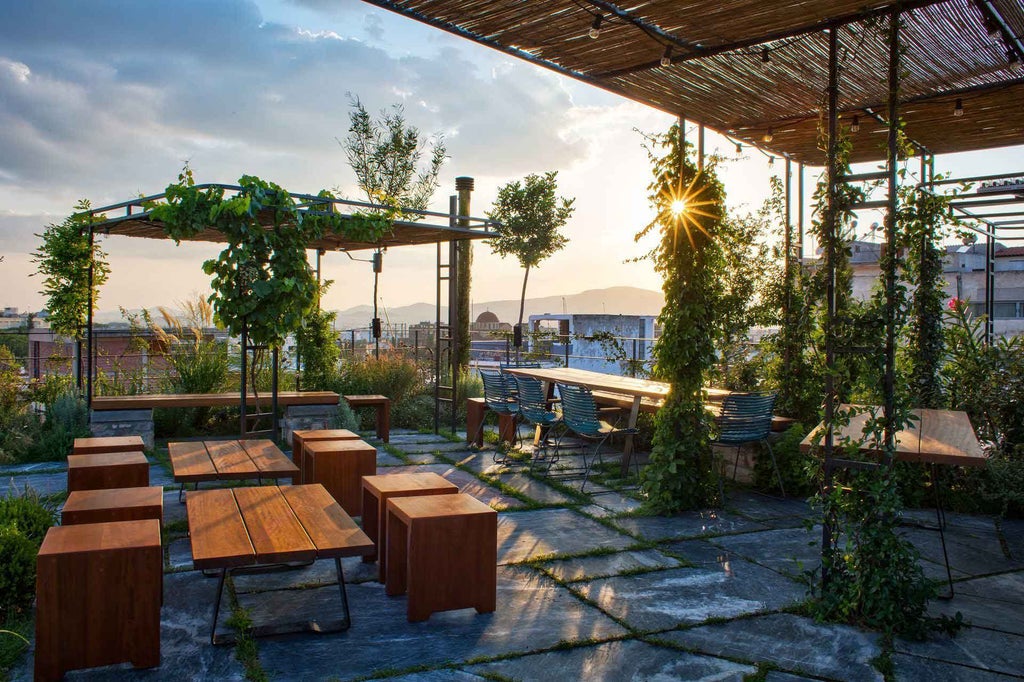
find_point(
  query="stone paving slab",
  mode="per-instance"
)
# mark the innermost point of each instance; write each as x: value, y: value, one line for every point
x: 43, y: 484
x: 615, y: 661
x: 421, y: 458
x: 445, y: 675
x: 793, y: 643
x: 914, y: 669
x: 776, y: 676
x: 467, y: 482
x: 185, y: 649
x: 534, y: 489
x: 764, y: 507
x: 482, y: 462
x: 993, y: 614
x: 533, y: 613
x: 790, y: 551
x: 973, y: 647
x: 544, y: 532
x: 970, y: 553
x: 699, y: 552
x: 612, y: 503
x: 683, y: 596
x: 443, y: 445
x: 7, y: 470
x: 587, y: 568
x: 399, y: 439
x: 1012, y: 531
x: 320, y: 572
x: 1008, y: 587
x: 687, y: 525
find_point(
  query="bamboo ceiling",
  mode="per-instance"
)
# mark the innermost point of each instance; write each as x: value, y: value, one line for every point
x: 744, y: 67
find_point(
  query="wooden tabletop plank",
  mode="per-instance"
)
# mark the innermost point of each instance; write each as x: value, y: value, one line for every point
x: 598, y: 381
x: 947, y: 437
x: 275, y: 533
x: 191, y: 463
x: 269, y: 460
x: 218, y: 534
x: 332, y: 531
x: 231, y: 460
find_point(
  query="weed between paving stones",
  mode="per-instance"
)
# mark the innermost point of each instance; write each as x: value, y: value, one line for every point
x: 246, y: 649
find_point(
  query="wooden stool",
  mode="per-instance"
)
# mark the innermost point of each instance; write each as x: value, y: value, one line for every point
x: 311, y: 435
x: 339, y: 466
x: 118, y: 504
x: 90, y: 446
x: 377, y: 490
x: 107, y: 470
x: 98, y: 594
x: 443, y: 551
x: 382, y: 404
x: 476, y: 408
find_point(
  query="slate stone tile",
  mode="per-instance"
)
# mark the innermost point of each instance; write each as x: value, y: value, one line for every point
x: 534, y: 489
x: 542, y: 532
x: 185, y: 650
x: 999, y: 652
x: 699, y: 552
x: 789, y: 551
x: 615, y: 503
x: 402, y: 438
x: 764, y: 507
x: 179, y: 554
x: 776, y: 676
x: 445, y: 675
x: 468, y: 483
x: 681, y: 596
x: 969, y: 553
x: 1002, y: 616
x: 614, y: 661
x: 43, y: 484
x: 444, y: 445
x: 687, y: 525
x: 320, y: 572
x: 533, y: 612
x: 482, y: 462
x: 793, y: 643
x: 585, y: 568
x: 10, y: 470
x: 173, y: 510
x: 421, y: 458
x: 914, y: 669
x: 1008, y: 587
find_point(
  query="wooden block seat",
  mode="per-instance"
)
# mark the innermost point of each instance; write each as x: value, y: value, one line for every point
x: 117, y: 504
x: 377, y: 490
x: 107, y: 470
x: 339, y: 466
x: 98, y: 596
x: 382, y: 405
x: 310, y: 435
x: 476, y: 409
x: 90, y: 446
x: 443, y: 551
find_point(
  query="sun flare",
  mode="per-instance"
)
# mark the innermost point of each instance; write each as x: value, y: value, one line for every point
x: 686, y: 206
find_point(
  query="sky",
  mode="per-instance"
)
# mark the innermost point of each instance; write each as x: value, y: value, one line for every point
x: 107, y: 99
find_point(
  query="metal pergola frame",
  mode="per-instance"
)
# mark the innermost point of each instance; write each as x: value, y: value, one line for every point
x: 132, y: 218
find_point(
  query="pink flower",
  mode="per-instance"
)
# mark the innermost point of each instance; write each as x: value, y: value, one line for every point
x: 954, y: 303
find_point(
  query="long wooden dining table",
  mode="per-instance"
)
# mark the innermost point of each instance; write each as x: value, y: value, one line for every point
x: 639, y: 394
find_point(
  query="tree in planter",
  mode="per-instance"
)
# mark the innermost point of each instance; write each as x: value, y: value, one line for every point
x: 690, y: 211
x: 531, y: 217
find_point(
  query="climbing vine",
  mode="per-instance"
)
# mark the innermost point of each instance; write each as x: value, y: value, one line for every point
x: 261, y: 280
x: 690, y: 211
x: 63, y: 260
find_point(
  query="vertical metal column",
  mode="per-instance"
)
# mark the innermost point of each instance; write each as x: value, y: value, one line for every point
x: 700, y: 147
x: 889, y: 385
x: 437, y: 344
x: 831, y: 230
x: 88, y: 323
x: 800, y: 211
x: 990, y: 285
x: 242, y: 425
x: 787, y: 264
x: 454, y: 331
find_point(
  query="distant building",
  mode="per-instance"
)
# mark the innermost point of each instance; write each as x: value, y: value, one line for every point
x: 488, y: 326
x: 613, y: 344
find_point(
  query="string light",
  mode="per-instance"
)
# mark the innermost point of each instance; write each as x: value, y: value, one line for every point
x: 1013, y: 58
x: 666, y: 57
x: 768, y: 137
x: 595, y: 28
x: 765, y: 56
x: 991, y: 27
x: 771, y: 161
x: 958, y: 110
x: 739, y: 148
x: 855, y: 124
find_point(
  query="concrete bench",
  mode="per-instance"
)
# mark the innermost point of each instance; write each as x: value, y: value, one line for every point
x: 133, y: 414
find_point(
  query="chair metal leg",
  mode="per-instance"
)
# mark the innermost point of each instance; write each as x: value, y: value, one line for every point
x: 775, y: 465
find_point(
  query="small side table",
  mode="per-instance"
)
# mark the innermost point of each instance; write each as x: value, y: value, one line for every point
x: 91, y: 446
x: 339, y: 466
x: 382, y: 405
x: 443, y: 551
x: 107, y: 470
x: 303, y: 436
x: 118, y: 504
x: 377, y: 490
x: 98, y: 595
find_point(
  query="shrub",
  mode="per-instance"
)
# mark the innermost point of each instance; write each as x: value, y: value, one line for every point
x: 29, y: 514
x: 415, y: 412
x: 391, y: 375
x: 346, y: 418
x: 24, y: 521
x: 67, y: 418
x: 796, y: 477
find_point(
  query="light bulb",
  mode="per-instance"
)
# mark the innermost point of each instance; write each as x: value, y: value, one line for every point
x: 739, y: 148
x: 666, y: 57
x: 768, y: 137
x: 765, y: 56
x: 855, y: 125
x: 595, y: 28
x: 958, y: 110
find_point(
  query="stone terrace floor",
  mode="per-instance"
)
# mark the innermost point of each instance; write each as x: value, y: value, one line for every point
x: 588, y: 590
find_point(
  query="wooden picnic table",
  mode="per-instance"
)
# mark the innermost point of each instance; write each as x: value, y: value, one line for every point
x: 228, y: 460
x: 934, y: 437
x: 639, y: 393
x: 253, y: 528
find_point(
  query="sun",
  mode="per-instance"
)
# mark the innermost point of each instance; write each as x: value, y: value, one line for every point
x: 678, y: 207
x: 685, y: 206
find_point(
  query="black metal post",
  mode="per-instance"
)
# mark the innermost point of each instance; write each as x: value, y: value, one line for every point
x: 90, y: 347
x: 700, y: 147
x: 831, y: 232
x: 454, y: 326
x: 275, y: 361
x: 891, y: 254
x: 800, y: 211
x: 437, y: 344
x: 245, y: 373
x: 990, y: 286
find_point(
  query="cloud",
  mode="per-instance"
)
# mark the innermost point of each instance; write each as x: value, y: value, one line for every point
x: 106, y: 99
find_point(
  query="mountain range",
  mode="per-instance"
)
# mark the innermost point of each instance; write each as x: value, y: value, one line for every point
x: 611, y: 301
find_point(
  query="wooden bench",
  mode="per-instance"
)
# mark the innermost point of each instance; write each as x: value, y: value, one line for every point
x: 382, y: 404
x: 147, y: 401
